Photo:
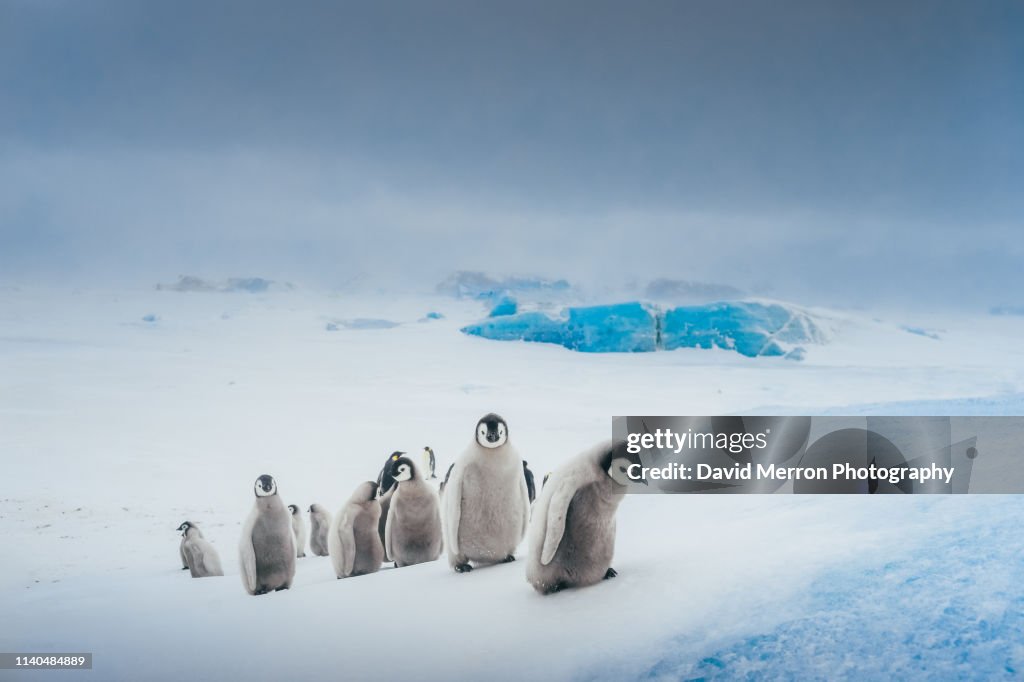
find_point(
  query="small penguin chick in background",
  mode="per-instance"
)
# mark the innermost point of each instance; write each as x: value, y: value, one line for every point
x: 299, y: 528
x: 572, y: 532
x: 266, y: 551
x: 181, y: 545
x: 354, y: 541
x: 429, y: 463
x: 319, y: 526
x: 203, y: 560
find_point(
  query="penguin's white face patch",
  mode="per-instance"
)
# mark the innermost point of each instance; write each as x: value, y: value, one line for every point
x: 404, y: 473
x: 618, y: 471
x: 491, y: 437
x: 262, y: 491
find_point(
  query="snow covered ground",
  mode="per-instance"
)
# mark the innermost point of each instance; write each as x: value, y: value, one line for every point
x: 123, y: 413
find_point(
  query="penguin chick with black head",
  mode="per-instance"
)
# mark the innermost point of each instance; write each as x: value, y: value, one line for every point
x: 203, y: 560
x: 354, y: 542
x: 486, y: 500
x: 572, y: 533
x: 384, y: 494
x: 267, y: 548
x: 319, y: 526
x: 181, y: 545
x: 299, y: 528
x: 413, y: 531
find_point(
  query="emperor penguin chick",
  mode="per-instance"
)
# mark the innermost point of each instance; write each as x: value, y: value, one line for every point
x: 486, y: 500
x: 413, y: 531
x: 299, y: 528
x: 354, y: 541
x: 319, y: 526
x: 572, y: 533
x: 267, y: 549
x: 181, y: 546
x: 203, y: 560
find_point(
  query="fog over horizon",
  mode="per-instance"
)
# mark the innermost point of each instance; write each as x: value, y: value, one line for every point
x: 857, y: 154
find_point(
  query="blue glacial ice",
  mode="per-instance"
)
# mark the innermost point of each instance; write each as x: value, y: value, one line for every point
x: 620, y: 328
x: 505, y: 306
x: 750, y: 328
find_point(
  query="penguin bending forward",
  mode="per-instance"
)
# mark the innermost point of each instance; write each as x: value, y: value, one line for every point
x: 267, y: 549
x: 299, y: 527
x: 413, y: 532
x: 353, y: 541
x: 572, y: 533
x: 203, y: 560
x: 319, y: 525
x: 486, y: 501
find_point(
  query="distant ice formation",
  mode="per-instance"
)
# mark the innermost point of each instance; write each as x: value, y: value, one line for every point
x: 679, y: 290
x: 753, y: 329
x: 465, y: 284
x: 252, y: 285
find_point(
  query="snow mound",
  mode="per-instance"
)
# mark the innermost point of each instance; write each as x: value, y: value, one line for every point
x: 361, y: 323
x: 465, y: 284
x: 750, y: 328
x: 252, y: 285
x: 950, y: 610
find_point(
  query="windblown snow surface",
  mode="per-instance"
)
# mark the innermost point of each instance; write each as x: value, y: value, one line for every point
x: 114, y: 429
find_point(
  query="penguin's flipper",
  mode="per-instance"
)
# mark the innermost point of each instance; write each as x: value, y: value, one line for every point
x: 194, y: 568
x: 453, y: 510
x: 387, y: 532
x: 247, y: 560
x: 524, y: 493
x: 558, y: 510
x: 347, y: 539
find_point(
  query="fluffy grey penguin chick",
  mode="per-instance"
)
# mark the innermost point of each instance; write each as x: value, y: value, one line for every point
x: 486, y: 501
x: 572, y: 533
x: 266, y: 551
x: 319, y: 526
x: 413, y: 532
x: 181, y: 545
x: 203, y: 560
x: 354, y: 541
x: 299, y: 528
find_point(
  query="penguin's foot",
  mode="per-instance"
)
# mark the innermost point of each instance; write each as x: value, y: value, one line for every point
x: 302, y: 556
x: 396, y: 564
x: 184, y: 568
x: 610, y: 573
x: 463, y: 568
x: 283, y: 587
x: 555, y: 587
x: 262, y: 590
x: 508, y: 559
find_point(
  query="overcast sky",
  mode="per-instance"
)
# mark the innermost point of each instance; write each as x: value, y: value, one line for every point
x: 855, y: 150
